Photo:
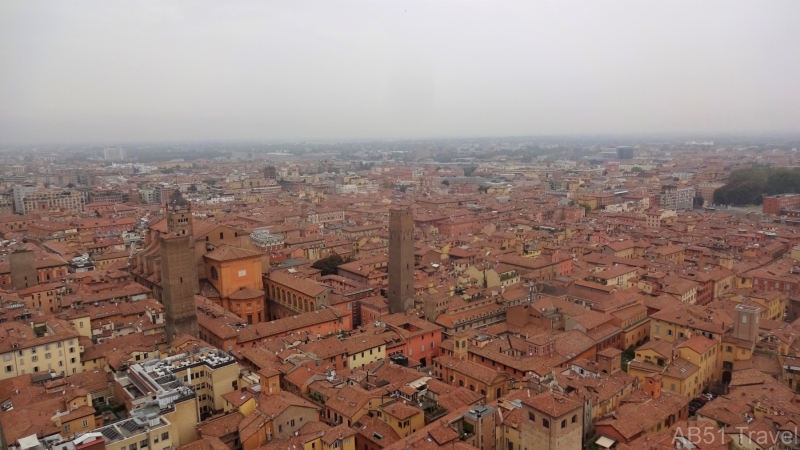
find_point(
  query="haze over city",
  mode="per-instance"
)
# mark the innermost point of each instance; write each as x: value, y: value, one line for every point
x: 84, y: 71
x: 396, y: 225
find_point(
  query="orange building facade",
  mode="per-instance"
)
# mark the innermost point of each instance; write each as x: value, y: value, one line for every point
x: 235, y: 275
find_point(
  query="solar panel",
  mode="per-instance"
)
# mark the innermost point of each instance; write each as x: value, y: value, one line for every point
x: 111, y: 433
x: 130, y: 426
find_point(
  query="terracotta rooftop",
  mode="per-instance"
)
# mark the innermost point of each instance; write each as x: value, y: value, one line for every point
x: 230, y: 253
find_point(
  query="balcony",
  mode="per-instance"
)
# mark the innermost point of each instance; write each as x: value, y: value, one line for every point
x: 434, y: 413
x: 467, y: 431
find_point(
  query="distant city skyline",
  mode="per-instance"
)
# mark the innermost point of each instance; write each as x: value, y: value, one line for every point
x: 99, y: 72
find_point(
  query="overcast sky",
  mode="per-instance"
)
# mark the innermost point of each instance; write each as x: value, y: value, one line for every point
x: 116, y: 71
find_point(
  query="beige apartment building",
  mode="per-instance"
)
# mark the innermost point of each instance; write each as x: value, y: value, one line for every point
x: 51, y: 346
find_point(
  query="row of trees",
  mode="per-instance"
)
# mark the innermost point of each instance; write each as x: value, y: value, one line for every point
x: 748, y: 186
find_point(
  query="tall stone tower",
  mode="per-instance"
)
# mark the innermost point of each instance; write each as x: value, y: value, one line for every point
x: 179, y: 269
x: 745, y: 325
x: 401, y: 260
x: 23, y: 269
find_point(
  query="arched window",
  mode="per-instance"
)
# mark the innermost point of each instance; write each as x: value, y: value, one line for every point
x: 575, y: 418
x: 214, y: 273
x: 460, y: 383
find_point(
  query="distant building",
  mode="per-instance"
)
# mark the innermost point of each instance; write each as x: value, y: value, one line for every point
x: 624, y: 152
x: 707, y: 190
x: 775, y: 203
x: 163, y: 192
x: 46, y: 200
x: 114, y: 154
x: 20, y: 191
x: 267, y: 241
x: 106, y: 195
x: 147, y: 195
x: 676, y: 198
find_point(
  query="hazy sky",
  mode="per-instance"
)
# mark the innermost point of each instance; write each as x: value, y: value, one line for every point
x: 115, y: 71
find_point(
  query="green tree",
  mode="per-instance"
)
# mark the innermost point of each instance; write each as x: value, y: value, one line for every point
x: 629, y: 353
x: 743, y: 193
x: 748, y: 186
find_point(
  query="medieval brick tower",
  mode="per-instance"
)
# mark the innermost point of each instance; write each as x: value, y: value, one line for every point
x: 401, y: 260
x: 23, y: 269
x: 745, y: 325
x: 178, y: 269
